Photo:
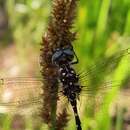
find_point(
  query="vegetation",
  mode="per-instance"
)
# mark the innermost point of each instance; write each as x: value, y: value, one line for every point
x: 103, y: 31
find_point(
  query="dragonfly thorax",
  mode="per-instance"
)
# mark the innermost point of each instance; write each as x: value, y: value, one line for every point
x: 69, y: 80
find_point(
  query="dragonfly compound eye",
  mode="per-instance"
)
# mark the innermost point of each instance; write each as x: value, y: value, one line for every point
x: 62, y: 56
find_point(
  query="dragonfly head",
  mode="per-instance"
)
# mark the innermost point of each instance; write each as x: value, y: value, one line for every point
x: 63, y: 55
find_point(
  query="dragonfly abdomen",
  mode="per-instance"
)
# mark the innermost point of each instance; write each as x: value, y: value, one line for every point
x: 71, y: 89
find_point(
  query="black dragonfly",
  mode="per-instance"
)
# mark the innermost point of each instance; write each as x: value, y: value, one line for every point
x: 20, y: 92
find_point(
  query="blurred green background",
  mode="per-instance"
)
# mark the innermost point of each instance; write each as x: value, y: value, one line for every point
x: 103, y: 30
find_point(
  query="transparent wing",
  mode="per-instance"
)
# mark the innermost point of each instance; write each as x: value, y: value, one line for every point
x: 103, y: 88
x: 106, y: 65
x: 20, y: 93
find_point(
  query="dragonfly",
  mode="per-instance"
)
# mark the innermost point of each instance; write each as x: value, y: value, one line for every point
x: 19, y: 93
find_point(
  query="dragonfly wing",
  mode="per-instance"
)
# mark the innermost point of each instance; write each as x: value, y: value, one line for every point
x: 109, y: 93
x: 102, y: 88
x: 20, y: 92
x: 98, y: 94
x: 104, y: 66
